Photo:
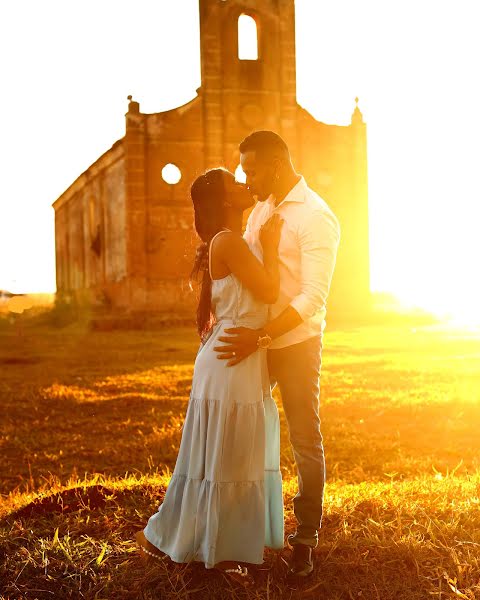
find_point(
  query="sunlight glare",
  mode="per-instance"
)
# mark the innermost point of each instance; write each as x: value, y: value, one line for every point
x: 240, y: 175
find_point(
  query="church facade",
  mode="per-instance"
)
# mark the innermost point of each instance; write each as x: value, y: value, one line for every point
x: 124, y: 233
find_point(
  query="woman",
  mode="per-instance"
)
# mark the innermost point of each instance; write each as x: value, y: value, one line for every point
x: 224, y: 502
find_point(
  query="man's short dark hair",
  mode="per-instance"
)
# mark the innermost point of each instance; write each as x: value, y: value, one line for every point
x: 267, y: 144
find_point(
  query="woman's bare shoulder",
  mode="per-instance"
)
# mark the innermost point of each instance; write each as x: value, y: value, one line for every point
x: 230, y: 241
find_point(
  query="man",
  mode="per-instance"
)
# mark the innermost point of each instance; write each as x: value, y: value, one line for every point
x: 293, y: 334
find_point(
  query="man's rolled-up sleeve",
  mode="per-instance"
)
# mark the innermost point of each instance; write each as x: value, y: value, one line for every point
x: 319, y: 237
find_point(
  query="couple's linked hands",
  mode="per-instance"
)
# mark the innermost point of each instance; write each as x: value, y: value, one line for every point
x: 241, y: 342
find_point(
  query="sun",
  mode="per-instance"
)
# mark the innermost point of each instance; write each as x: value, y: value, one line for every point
x: 459, y: 307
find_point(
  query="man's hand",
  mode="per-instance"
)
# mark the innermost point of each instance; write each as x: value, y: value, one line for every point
x: 241, y: 343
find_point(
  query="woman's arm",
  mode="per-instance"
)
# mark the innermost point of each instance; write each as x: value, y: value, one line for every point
x: 261, y: 279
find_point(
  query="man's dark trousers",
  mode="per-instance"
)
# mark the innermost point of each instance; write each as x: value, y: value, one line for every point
x: 296, y: 369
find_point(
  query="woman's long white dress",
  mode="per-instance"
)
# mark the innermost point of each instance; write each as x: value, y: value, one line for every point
x: 224, y: 500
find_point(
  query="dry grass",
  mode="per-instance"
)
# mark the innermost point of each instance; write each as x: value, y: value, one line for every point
x: 90, y: 428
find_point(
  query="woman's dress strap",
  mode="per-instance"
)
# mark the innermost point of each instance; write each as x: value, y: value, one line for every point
x: 210, y: 250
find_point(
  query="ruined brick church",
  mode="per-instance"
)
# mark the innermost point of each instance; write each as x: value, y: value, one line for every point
x: 124, y: 235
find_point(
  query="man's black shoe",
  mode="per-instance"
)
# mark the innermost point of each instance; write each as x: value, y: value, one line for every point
x: 301, y: 562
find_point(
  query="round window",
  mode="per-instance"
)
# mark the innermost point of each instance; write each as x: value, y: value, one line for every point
x: 171, y: 174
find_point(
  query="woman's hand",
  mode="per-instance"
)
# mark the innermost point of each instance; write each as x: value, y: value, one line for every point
x: 270, y: 233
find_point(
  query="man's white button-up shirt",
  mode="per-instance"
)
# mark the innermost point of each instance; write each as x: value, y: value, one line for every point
x: 307, y: 253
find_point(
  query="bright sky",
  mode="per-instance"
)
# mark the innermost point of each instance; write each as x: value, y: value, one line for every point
x: 67, y: 68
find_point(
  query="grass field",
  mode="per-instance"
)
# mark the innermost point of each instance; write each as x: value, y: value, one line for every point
x: 90, y: 428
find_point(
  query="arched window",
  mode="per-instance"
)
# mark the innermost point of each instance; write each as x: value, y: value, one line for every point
x: 92, y: 218
x: 94, y: 224
x: 247, y: 38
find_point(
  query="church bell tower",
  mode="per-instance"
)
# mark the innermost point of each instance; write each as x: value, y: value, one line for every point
x: 246, y: 90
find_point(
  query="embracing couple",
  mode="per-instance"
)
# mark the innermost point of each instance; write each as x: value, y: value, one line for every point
x: 260, y: 316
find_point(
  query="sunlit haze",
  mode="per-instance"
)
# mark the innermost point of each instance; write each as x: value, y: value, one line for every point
x: 68, y: 67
